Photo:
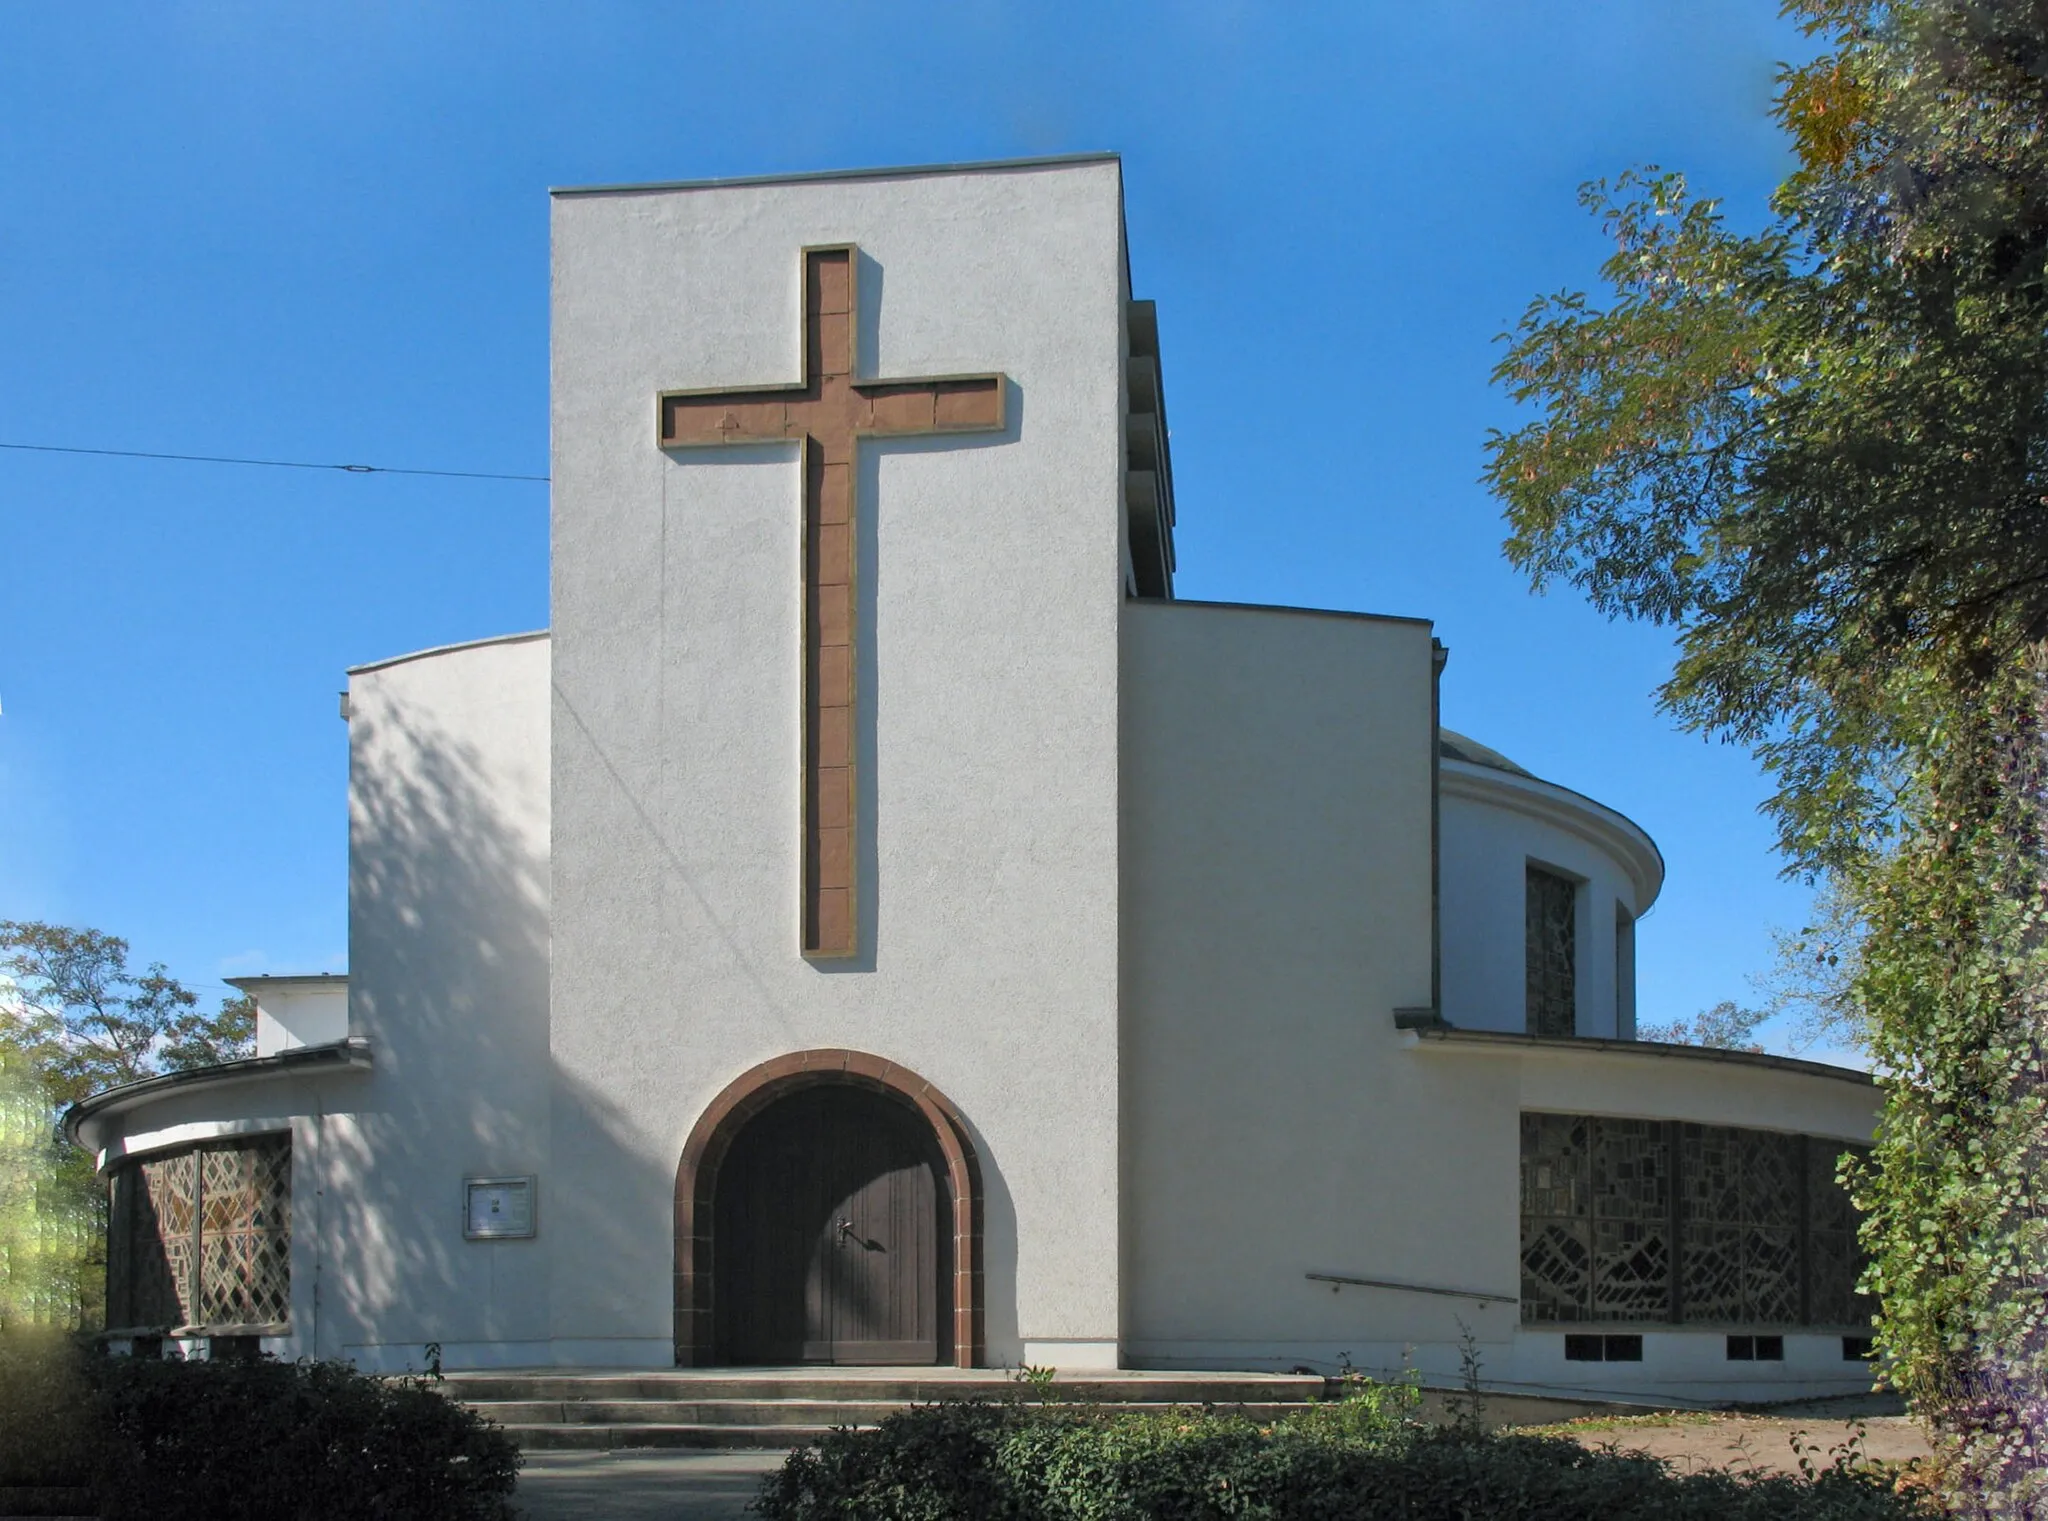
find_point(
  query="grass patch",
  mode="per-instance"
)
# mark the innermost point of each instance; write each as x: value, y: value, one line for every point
x: 1579, y: 1425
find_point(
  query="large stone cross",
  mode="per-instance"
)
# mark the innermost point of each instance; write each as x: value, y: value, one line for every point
x: 825, y: 413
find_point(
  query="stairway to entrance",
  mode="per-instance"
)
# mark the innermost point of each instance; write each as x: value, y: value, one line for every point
x: 786, y: 1407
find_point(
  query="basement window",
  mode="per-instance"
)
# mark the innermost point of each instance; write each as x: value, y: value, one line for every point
x: 1603, y: 1349
x: 1756, y: 1349
x: 1858, y: 1349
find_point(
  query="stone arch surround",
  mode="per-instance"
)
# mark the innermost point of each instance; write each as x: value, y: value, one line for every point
x: 746, y: 1096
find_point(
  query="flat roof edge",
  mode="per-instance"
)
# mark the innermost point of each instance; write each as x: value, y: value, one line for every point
x: 351, y: 1054
x: 881, y: 172
x: 1564, y: 1044
x: 309, y: 979
x: 1277, y: 607
x: 1514, y: 783
x: 446, y: 649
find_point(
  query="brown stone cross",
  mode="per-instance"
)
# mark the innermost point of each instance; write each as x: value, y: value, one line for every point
x: 825, y: 413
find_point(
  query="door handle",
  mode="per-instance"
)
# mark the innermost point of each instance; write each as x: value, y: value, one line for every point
x: 845, y: 1229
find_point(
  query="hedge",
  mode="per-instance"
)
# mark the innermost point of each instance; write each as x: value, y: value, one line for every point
x: 246, y: 1441
x: 46, y: 1422
x: 1022, y: 1463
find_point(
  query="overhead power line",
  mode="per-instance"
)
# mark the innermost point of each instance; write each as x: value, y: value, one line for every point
x: 275, y: 464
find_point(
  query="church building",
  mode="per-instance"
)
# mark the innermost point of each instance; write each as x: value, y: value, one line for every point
x: 878, y: 922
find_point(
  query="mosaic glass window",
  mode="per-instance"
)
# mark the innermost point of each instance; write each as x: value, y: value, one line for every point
x: 1557, y: 1226
x: 1551, y: 948
x: 1652, y: 1220
x: 1834, y: 1260
x: 201, y: 1239
x: 1742, y: 1204
x: 1632, y: 1195
x: 1596, y: 1219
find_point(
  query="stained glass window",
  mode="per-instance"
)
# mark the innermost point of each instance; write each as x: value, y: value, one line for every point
x: 201, y: 1239
x: 1596, y: 1219
x: 1557, y: 1226
x: 1742, y: 1202
x: 1552, y: 948
x: 1631, y: 1191
x: 1652, y: 1220
x: 1834, y: 1260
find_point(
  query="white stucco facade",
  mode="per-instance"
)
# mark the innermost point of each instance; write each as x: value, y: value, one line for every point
x: 1277, y: 901
x: 292, y: 1012
x: 990, y: 573
x: 1213, y: 946
x: 1495, y: 824
x: 439, y: 1069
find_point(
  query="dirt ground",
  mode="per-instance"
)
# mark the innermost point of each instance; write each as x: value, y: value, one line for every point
x: 1761, y: 1441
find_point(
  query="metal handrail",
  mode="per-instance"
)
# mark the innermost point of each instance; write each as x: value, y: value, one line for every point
x: 1411, y: 1288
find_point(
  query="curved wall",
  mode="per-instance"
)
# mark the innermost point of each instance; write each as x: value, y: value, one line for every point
x: 1469, y: 1150
x: 1275, y: 828
x: 285, y: 1103
x: 1493, y: 826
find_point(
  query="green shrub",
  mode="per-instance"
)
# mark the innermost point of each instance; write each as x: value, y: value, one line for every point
x: 1013, y: 1463
x: 309, y: 1441
x: 930, y: 1463
x: 46, y: 1418
x: 1368, y: 1410
x: 255, y: 1441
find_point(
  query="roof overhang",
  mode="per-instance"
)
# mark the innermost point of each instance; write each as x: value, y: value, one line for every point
x: 300, y: 1061
x: 1565, y: 1045
x: 301, y: 980
x: 887, y: 172
x: 1561, y: 808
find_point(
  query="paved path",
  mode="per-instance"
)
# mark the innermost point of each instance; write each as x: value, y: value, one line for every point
x: 1762, y: 1443
x: 641, y: 1486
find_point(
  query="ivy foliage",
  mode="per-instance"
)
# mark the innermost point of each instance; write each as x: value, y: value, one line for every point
x: 1818, y: 451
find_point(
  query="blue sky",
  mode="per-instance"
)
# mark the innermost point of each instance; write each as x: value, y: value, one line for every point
x: 319, y: 233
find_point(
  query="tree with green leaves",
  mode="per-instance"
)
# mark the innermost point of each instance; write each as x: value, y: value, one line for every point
x: 45, y: 1223
x: 1819, y: 452
x: 75, y: 1018
x: 86, y: 1021
x: 1727, y: 1026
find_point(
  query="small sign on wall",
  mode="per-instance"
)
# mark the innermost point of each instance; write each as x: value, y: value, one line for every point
x: 497, y: 1209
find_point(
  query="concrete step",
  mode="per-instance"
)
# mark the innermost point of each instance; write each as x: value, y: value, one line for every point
x: 819, y: 1414
x: 1163, y: 1389
x: 612, y: 1438
x: 598, y: 1410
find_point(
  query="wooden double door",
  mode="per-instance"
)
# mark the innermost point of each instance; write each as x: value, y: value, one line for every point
x: 829, y: 1235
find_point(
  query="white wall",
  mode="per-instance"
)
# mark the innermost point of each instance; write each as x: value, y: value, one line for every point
x: 297, y: 1011
x: 1276, y: 901
x: 291, y: 1105
x: 989, y: 586
x: 1276, y: 904
x: 1494, y: 826
x: 1700, y: 1087
x: 448, y: 946
x: 1496, y: 1083
x: 448, y: 809
x: 1692, y: 1366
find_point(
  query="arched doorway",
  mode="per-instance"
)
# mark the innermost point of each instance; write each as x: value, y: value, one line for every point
x: 828, y: 1209
x: 828, y: 1236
